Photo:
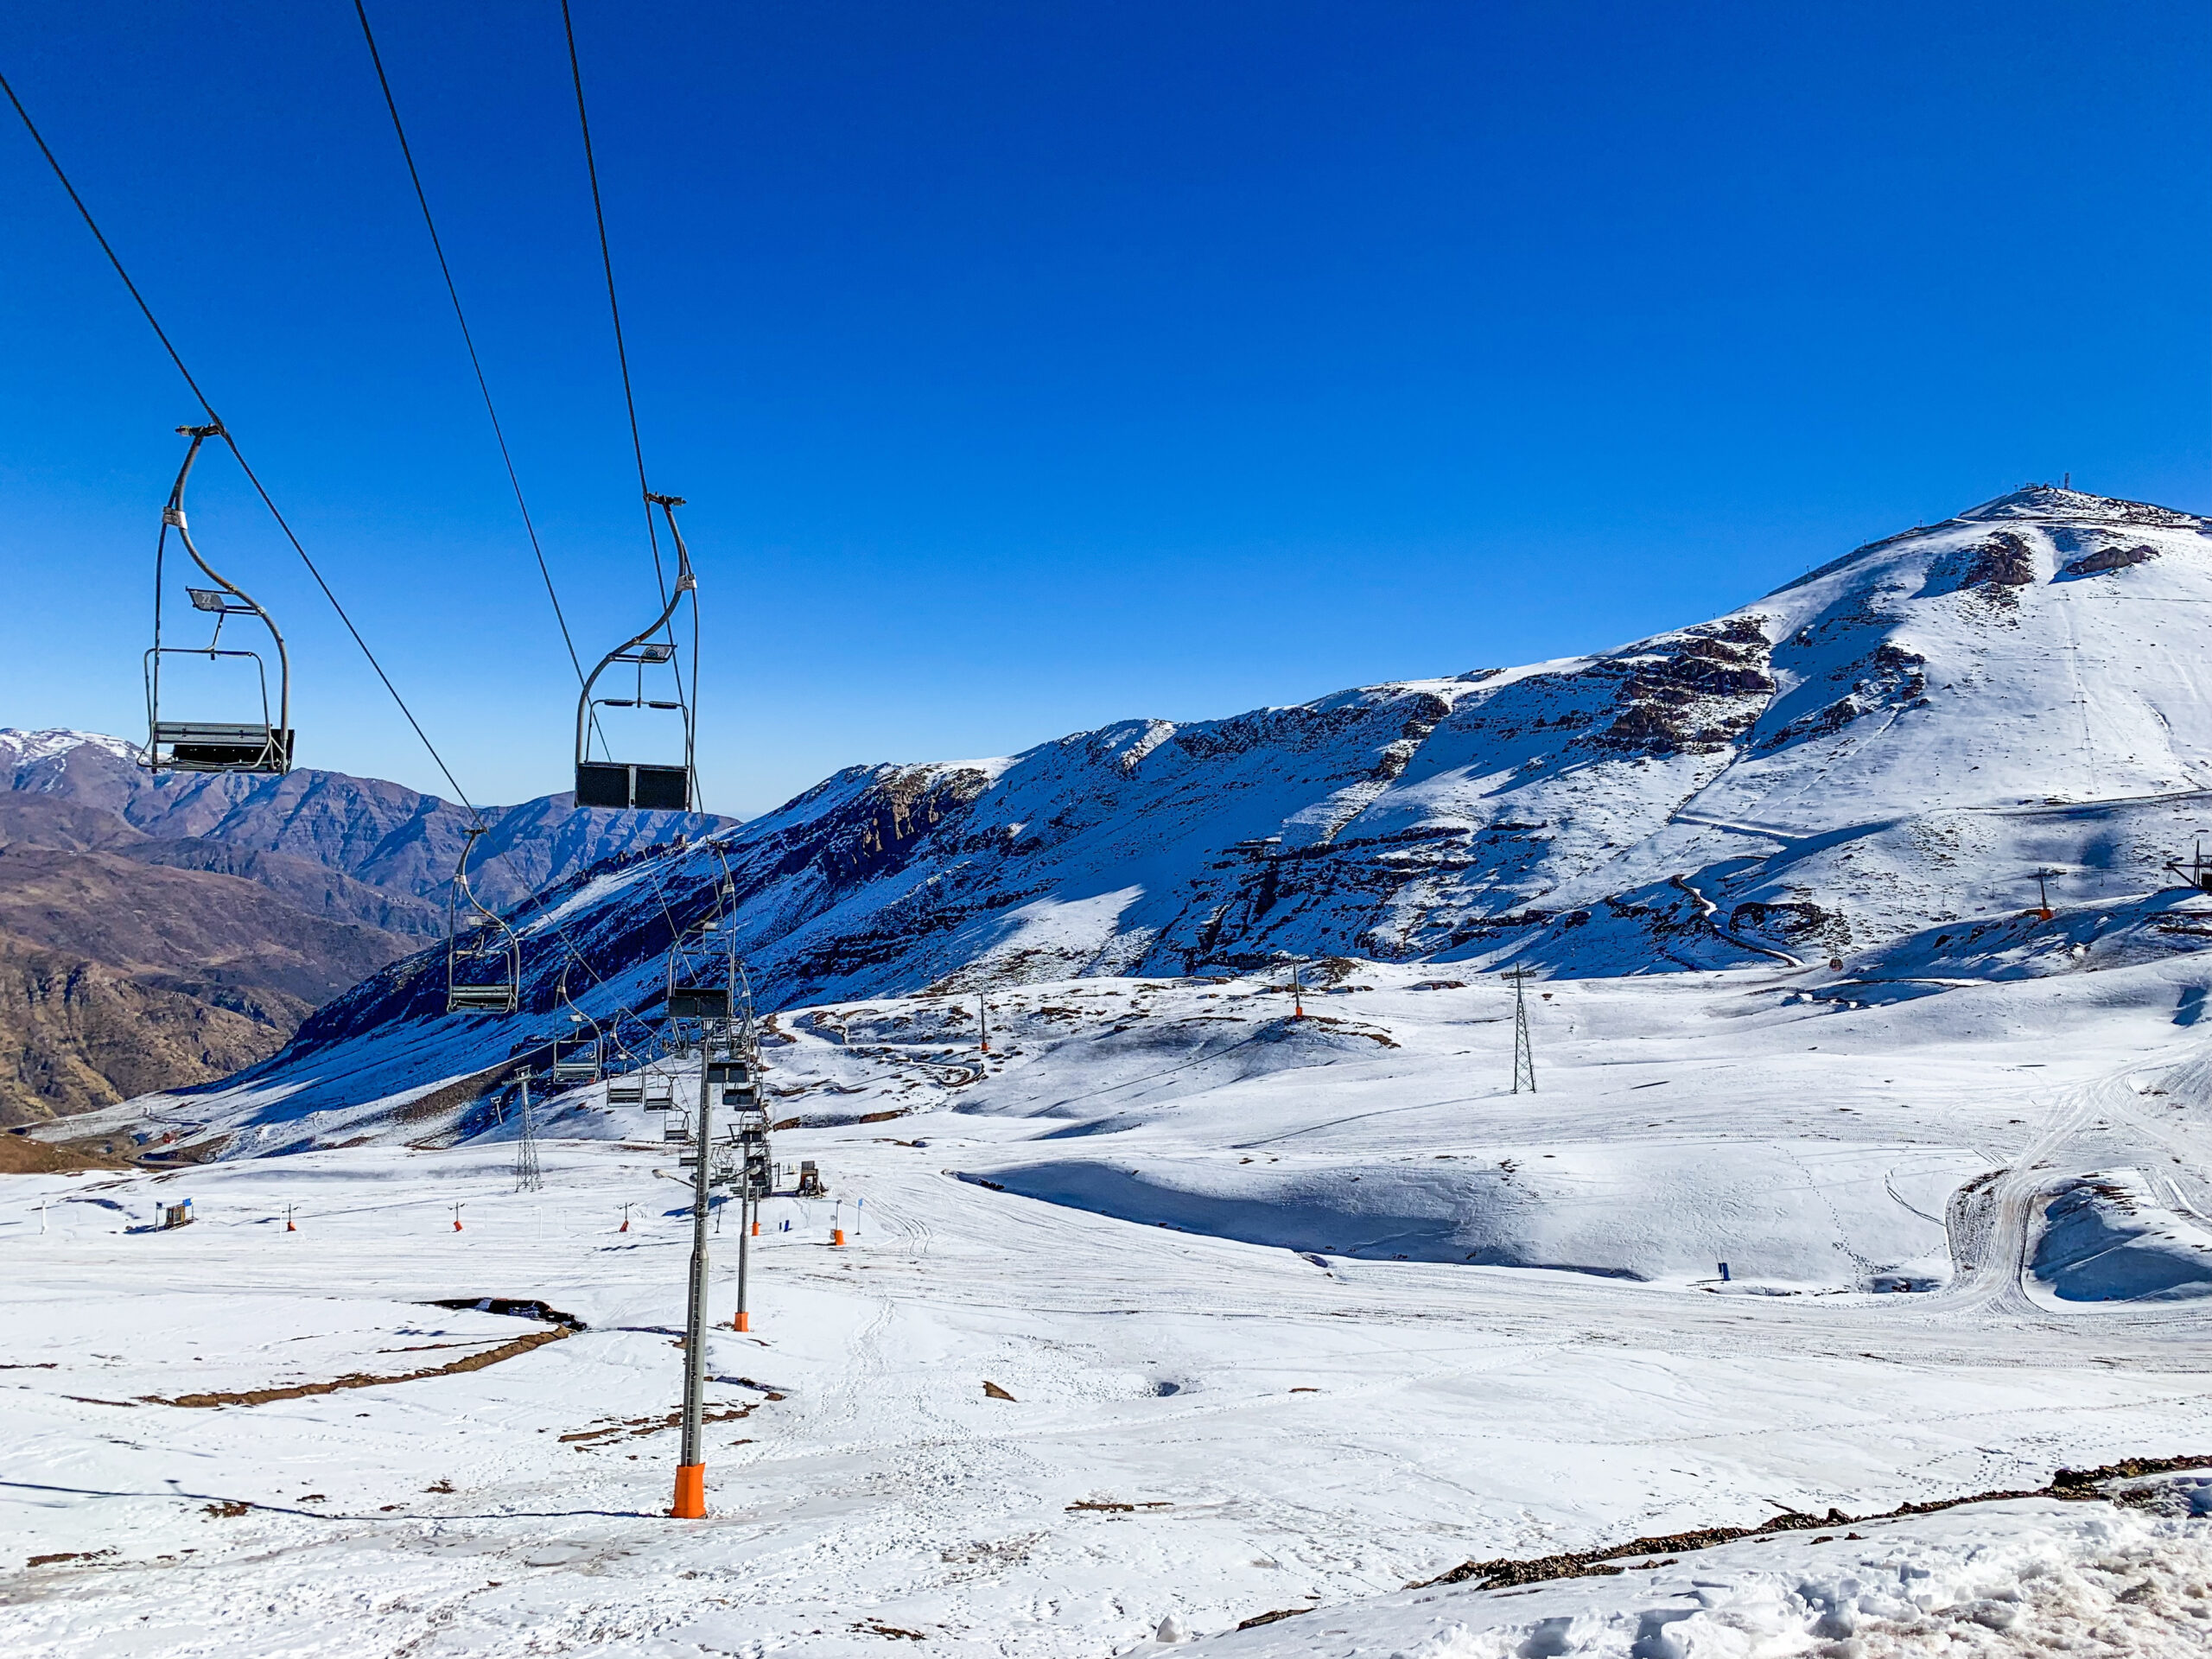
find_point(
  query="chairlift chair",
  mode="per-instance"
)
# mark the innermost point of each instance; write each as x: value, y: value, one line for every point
x: 263, y: 746
x: 627, y: 785
x: 483, y: 956
x: 659, y: 1093
x: 702, y: 976
x: 577, y: 1058
x: 625, y: 1091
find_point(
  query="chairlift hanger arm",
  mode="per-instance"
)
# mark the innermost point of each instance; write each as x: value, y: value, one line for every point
x: 668, y: 505
x: 173, y: 517
x: 686, y: 583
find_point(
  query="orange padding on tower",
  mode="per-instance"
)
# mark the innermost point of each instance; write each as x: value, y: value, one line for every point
x: 690, y: 1492
x: 837, y: 1236
x: 744, y: 1320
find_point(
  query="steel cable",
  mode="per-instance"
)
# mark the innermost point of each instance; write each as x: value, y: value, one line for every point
x: 468, y: 340
x: 622, y: 350
x: 252, y: 478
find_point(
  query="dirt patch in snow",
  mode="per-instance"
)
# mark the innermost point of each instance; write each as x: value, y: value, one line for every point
x: 361, y: 1379
x: 1506, y: 1573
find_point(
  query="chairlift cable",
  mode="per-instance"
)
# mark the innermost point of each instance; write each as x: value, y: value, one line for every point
x: 177, y: 357
x: 685, y: 701
x: 452, y: 293
x: 216, y: 420
x: 92, y: 226
x: 614, y: 305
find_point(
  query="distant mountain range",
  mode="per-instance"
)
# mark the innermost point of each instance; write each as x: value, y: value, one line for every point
x: 159, y: 931
x: 1881, y: 752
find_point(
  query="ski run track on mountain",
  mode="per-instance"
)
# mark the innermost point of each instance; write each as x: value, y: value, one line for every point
x: 1168, y: 1220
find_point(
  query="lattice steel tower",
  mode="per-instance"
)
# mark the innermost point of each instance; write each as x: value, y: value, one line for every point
x: 1524, y: 1056
x: 529, y: 1178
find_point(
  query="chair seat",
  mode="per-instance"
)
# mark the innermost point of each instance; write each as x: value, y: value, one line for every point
x: 221, y: 746
x: 209, y: 731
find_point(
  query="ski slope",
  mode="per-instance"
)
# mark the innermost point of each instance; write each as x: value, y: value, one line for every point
x: 1292, y: 1313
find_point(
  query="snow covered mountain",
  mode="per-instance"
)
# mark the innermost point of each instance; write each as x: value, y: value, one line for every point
x: 376, y: 832
x: 1872, y: 756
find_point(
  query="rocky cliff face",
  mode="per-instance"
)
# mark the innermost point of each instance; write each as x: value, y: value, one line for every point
x: 1889, y: 742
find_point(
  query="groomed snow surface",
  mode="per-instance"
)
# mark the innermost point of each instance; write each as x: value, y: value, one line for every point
x: 1291, y: 1313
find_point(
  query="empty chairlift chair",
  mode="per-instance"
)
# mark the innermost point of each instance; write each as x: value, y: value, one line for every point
x: 581, y: 1057
x: 626, y: 785
x: 483, y: 956
x: 702, y: 997
x: 575, y: 1060
x: 251, y: 746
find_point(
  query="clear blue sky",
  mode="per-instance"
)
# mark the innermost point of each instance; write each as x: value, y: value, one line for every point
x: 1031, y: 365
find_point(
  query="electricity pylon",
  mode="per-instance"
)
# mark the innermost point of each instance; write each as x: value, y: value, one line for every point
x: 529, y: 1178
x: 1524, y: 1056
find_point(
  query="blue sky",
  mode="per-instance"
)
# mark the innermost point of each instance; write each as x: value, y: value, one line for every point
x: 1030, y: 366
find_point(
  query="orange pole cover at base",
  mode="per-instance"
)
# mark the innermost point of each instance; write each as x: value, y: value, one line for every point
x: 690, y: 1492
x: 756, y: 1229
x: 837, y: 1236
x: 289, y: 1228
x: 743, y: 1322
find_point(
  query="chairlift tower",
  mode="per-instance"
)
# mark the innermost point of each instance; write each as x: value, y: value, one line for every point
x: 2197, y: 872
x: 2043, y: 878
x: 1524, y: 1055
x: 713, y: 998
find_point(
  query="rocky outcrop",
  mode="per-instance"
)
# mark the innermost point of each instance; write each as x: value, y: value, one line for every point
x: 1695, y: 691
x: 2095, y: 563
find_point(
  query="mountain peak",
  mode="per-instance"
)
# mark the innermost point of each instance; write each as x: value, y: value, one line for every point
x: 2053, y: 504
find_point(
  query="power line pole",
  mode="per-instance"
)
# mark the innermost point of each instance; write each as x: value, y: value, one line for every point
x: 529, y: 1178
x: 983, y: 1021
x: 1524, y: 1054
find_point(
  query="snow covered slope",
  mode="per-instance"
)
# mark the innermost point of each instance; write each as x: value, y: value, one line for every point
x: 1253, y: 1408
x: 1865, y: 759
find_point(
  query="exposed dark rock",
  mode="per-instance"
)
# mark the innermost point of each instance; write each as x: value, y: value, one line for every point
x: 2106, y: 558
x: 1694, y: 691
x: 1995, y: 565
